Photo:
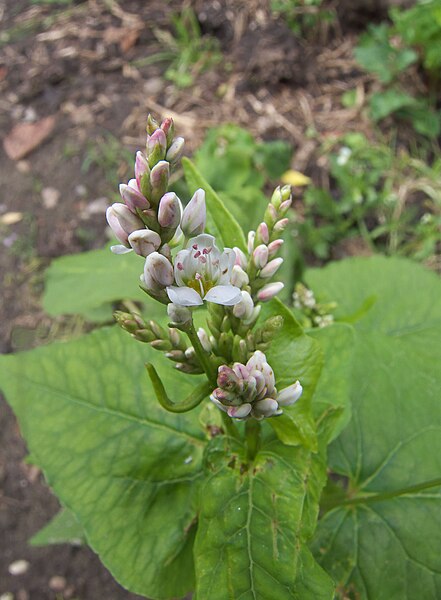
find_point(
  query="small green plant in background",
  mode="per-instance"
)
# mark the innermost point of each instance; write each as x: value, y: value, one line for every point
x: 302, y: 16
x: 107, y: 153
x: 389, y: 51
x: 392, y: 201
x: 187, y: 51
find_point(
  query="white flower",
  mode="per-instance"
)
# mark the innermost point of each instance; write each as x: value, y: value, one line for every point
x: 202, y: 272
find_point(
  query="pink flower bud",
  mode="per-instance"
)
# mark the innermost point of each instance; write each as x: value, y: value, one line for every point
x: 269, y: 291
x: 141, y: 167
x: 168, y: 128
x: 144, y: 241
x: 114, y: 223
x: 281, y: 225
x: 239, y: 412
x: 175, y: 151
x: 245, y: 308
x: 169, y: 213
x: 241, y: 259
x: 274, y: 247
x: 271, y: 268
x: 238, y: 277
x: 266, y: 408
x: 227, y: 378
x: 262, y: 233
x: 260, y: 256
x: 158, y: 272
x: 284, y: 207
x: 126, y: 219
x: 133, y: 197
x: 251, y: 238
x: 290, y: 394
x: 156, y: 147
x: 159, y: 177
x: 195, y: 215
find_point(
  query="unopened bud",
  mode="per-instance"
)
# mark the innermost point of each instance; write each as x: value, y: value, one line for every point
x: 176, y: 150
x: 141, y: 167
x: 238, y: 277
x: 152, y: 124
x: 290, y: 394
x: 163, y: 345
x: 158, y: 272
x: 241, y: 259
x: 122, y: 221
x: 269, y: 291
x: 194, y: 215
x: 204, y: 339
x: 266, y: 408
x: 274, y: 247
x: 281, y: 225
x: 244, y: 309
x: 260, y: 256
x: 271, y: 215
x: 133, y: 197
x: 114, y: 223
x: 251, y: 238
x: 159, y: 177
x: 271, y: 268
x: 144, y: 241
x: 284, y: 207
x: 262, y: 234
x: 227, y: 379
x: 239, y: 412
x: 168, y: 128
x: 169, y: 213
x: 156, y: 147
x: 178, y: 315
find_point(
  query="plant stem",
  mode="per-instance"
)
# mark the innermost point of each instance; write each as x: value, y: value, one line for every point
x: 202, y: 355
x: 252, y: 436
x: 230, y: 427
x: 193, y: 400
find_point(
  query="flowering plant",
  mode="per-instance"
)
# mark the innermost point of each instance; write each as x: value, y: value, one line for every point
x: 272, y: 462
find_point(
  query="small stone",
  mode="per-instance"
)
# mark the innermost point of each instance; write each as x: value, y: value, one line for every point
x: 18, y: 567
x: 50, y: 197
x: 23, y: 166
x: 10, y: 218
x: 80, y: 190
x: 57, y: 583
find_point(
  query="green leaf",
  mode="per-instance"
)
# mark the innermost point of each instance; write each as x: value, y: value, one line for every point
x: 83, y: 283
x: 128, y: 469
x: 385, y: 103
x: 382, y: 540
x: 253, y: 522
x: 222, y: 224
x: 63, y: 529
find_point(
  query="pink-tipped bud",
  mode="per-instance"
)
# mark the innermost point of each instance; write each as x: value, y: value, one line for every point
x: 159, y: 177
x: 227, y: 379
x: 271, y: 268
x: 176, y: 150
x: 260, y: 256
x: 169, y: 213
x: 141, y: 167
x: 241, y: 259
x: 114, y: 223
x: 144, y: 241
x: 168, y: 128
x: 126, y: 219
x: 269, y: 291
x: 133, y: 197
x: 284, y: 207
x: 281, y: 225
x: 266, y: 408
x: 158, y: 272
x: 274, y: 247
x: 262, y: 234
x: 290, y: 394
x: 195, y: 215
x: 239, y: 412
x: 250, y: 241
x: 156, y: 147
x: 239, y: 277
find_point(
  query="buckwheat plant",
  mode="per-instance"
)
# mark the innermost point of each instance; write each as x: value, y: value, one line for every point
x: 185, y: 269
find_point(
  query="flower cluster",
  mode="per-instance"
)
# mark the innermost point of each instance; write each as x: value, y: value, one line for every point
x: 250, y: 390
x: 313, y: 313
x: 184, y: 267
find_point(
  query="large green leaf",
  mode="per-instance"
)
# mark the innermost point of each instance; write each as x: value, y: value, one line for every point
x: 127, y: 469
x: 220, y: 222
x: 82, y: 283
x: 382, y: 540
x: 253, y: 521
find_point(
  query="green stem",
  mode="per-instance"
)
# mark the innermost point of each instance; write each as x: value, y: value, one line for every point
x: 193, y: 400
x: 367, y: 499
x: 230, y: 427
x: 203, y: 357
x: 252, y: 436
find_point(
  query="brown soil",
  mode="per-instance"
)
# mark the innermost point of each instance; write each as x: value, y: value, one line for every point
x: 82, y: 62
